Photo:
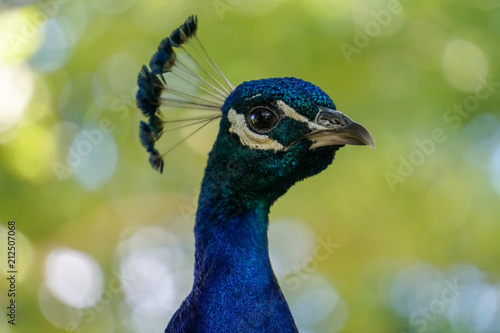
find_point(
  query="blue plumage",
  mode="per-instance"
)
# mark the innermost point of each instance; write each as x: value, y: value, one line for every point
x: 272, y: 133
x: 297, y: 93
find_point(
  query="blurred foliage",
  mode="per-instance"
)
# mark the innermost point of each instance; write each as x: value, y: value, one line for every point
x: 428, y: 193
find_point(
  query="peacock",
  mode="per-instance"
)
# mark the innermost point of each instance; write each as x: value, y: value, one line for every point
x: 272, y: 133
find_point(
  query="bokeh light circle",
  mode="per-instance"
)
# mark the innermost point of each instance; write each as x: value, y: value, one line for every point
x: 93, y: 156
x: 74, y: 278
x: 495, y: 169
x: 463, y: 64
x: 17, y: 84
x: 282, y: 233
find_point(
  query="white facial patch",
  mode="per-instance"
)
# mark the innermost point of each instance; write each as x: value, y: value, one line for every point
x: 291, y: 113
x: 248, y: 137
x: 258, y: 141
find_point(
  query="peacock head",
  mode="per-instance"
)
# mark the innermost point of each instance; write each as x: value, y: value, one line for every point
x: 275, y: 132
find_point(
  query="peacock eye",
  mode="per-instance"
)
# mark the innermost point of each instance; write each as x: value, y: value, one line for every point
x: 262, y: 120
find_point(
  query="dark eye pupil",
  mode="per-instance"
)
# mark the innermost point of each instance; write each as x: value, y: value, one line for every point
x: 263, y: 119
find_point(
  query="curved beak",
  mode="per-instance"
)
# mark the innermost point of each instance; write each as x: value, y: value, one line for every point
x: 335, y: 129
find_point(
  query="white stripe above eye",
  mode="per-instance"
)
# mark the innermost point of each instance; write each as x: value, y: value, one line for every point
x: 248, y: 137
x: 291, y: 113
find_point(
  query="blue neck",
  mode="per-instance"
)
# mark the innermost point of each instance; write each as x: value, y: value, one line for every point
x: 235, y: 289
x: 232, y: 238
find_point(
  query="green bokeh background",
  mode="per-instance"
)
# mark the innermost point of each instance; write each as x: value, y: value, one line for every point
x: 414, y: 199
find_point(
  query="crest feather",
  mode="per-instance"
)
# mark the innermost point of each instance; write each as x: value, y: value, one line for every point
x: 146, y: 136
x: 188, y: 81
x: 156, y: 160
x: 148, y: 95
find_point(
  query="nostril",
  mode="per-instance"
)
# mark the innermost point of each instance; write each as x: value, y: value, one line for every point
x: 326, y: 121
x: 334, y: 121
x: 329, y: 119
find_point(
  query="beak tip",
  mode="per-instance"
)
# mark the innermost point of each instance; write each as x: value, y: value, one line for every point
x: 370, y: 143
x: 364, y: 136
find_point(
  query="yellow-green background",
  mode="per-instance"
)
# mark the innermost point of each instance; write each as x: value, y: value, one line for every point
x: 65, y: 66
